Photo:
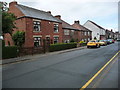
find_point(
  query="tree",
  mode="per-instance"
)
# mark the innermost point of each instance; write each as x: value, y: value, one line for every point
x: 19, y: 38
x: 8, y: 19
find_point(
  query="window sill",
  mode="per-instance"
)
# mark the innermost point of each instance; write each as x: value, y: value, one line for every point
x: 36, y: 31
x: 56, y: 32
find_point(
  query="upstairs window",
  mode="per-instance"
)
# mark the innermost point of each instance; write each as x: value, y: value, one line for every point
x: 36, y: 26
x: 66, y: 32
x: 72, y: 32
x: 85, y: 33
x: 88, y: 33
x: 56, y: 27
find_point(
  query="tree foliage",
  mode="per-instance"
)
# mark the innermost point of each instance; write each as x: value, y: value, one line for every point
x: 8, y: 19
x: 19, y: 38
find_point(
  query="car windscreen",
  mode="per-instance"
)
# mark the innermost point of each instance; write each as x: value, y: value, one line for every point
x: 91, y: 41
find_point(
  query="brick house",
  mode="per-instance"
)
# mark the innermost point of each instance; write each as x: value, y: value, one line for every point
x: 37, y: 25
x: 69, y: 32
x: 84, y: 33
x: 109, y: 34
x: 117, y: 35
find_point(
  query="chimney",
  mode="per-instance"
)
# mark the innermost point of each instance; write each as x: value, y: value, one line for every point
x: 58, y: 16
x: 111, y: 30
x: 49, y: 12
x: 13, y: 3
x: 77, y: 22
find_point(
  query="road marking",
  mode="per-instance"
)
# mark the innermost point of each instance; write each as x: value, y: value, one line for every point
x: 84, y: 86
x: 104, y: 73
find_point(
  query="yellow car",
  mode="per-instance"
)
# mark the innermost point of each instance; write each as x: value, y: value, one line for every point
x: 102, y: 43
x: 93, y: 43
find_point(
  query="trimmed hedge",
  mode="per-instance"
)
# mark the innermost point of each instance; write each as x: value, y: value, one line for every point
x: 83, y: 44
x: 9, y: 52
x: 62, y: 46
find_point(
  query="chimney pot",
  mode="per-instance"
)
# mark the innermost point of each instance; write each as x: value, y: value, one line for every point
x: 13, y: 3
x: 49, y: 12
x: 58, y: 16
x: 78, y: 22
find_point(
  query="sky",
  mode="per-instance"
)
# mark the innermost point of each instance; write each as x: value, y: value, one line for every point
x: 102, y: 12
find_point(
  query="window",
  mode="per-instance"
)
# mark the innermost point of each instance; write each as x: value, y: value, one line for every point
x: 88, y: 39
x: 56, y: 39
x: 85, y: 33
x: 72, y: 32
x: 88, y: 33
x: 56, y: 28
x: 36, y: 25
x: 82, y: 33
x: 67, y: 41
x: 66, y: 32
x: 37, y: 41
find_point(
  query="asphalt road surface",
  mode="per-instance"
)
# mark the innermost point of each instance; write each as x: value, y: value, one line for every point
x: 65, y: 70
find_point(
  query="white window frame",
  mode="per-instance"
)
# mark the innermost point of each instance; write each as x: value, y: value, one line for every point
x: 56, y: 40
x: 37, y: 24
x: 37, y: 39
x: 66, y: 32
x: 56, y: 28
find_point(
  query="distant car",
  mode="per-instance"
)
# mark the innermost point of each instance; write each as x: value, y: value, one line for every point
x: 93, y: 43
x: 107, y: 41
x: 103, y: 42
x: 118, y: 40
x: 110, y: 41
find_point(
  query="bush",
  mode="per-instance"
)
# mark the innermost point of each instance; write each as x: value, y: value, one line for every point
x: 3, y: 43
x: 9, y: 52
x: 62, y: 46
x: 81, y: 42
x: 19, y: 38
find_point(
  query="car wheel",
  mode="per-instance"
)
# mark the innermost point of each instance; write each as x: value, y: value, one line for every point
x: 87, y: 46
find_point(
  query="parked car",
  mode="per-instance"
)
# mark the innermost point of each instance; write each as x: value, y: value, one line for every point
x: 118, y: 40
x: 103, y: 42
x: 110, y: 41
x: 93, y: 43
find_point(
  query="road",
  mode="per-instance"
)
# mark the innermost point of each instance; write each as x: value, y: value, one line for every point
x: 65, y: 70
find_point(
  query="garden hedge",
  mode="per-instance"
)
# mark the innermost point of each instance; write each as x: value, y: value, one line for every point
x: 9, y: 52
x: 62, y: 46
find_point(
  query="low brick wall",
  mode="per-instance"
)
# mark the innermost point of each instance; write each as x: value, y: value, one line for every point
x: 30, y: 50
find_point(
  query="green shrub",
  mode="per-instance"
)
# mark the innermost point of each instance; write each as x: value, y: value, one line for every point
x: 62, y: 46
x: 3, y: 43
x: 81, y: 42
x: 9, y: 52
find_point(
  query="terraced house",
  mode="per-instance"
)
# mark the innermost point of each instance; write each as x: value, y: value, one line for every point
x: 37, y: 25
x: 84, y: 33
x: 70, y: 33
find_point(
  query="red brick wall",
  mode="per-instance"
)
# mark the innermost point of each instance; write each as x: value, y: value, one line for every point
x: 26, y: 24
x: 8, y: 40
x: 14, y: 9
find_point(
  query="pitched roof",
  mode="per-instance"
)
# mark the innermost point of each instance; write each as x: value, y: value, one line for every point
x: 66, y: 25
x: 35, y: 13
x: 80, y: 27
x: 96, y: 24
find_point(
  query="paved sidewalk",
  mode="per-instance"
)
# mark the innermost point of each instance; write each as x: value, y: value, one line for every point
x: 29, y: 57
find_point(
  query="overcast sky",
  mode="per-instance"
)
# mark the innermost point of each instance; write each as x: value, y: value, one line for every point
x: 102, y: 12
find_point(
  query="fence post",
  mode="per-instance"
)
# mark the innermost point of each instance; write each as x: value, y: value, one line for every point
x: 44, y: 45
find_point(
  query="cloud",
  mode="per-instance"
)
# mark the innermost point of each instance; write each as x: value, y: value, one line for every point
x: 100, y: 11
